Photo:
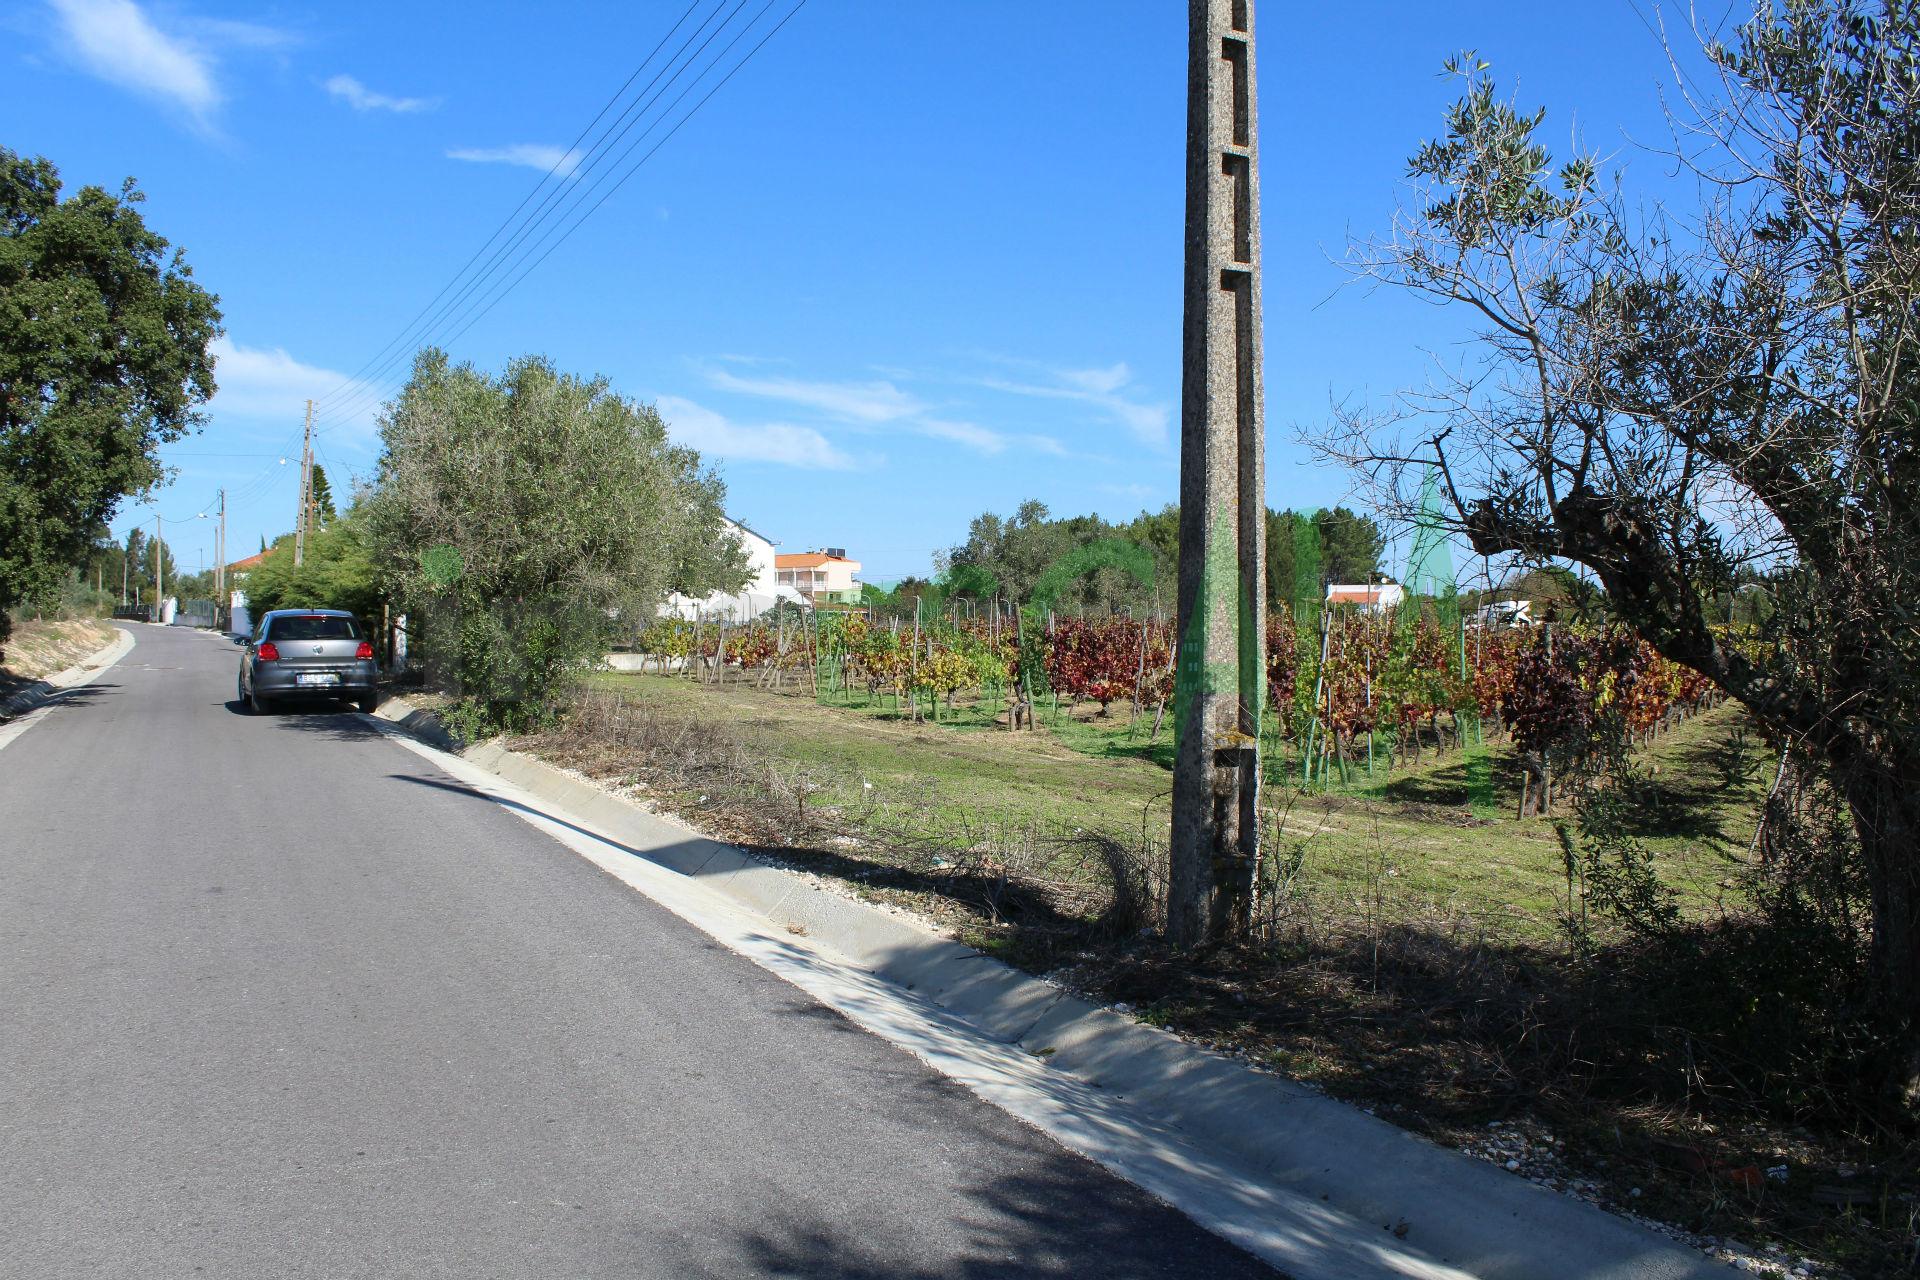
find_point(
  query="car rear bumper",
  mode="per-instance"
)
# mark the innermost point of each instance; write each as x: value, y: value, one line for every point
x: 278, y: 680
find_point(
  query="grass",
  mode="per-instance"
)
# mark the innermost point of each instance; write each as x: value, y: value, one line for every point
x: 959, y: 766
x: 1413, y: 835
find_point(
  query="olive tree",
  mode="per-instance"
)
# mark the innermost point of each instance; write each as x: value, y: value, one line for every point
x: 525, y: 513
x: 1671, y: 398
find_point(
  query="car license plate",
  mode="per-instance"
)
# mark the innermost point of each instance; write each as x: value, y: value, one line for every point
x: 317, y: 677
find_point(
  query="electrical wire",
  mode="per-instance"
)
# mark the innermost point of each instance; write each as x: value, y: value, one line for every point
x: 693, y: 111
x: 533, y: 191
x: 449, y: 312
x: 601, y: 148
x: 455, y: 309
x: 481, y: 306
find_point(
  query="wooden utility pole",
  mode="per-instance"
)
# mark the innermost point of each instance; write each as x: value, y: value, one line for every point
x: 159, y: 569
x: 1220, y: 685
x: 306, y: 493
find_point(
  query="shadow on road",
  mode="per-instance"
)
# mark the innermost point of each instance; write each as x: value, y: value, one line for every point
x: 79, y: 696
x: 1046, y: 1220
x: 326, y: 719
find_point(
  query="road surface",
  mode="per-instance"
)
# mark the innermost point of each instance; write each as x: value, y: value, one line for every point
x: 279, y: 998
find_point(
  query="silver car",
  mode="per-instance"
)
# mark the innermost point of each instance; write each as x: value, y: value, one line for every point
x: 307, y: 654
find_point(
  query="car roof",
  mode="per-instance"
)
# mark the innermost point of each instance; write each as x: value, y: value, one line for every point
x: 308, y: 613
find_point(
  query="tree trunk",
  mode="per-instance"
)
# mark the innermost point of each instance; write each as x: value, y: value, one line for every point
x: 1533, y: 783
x: 1885, y: 803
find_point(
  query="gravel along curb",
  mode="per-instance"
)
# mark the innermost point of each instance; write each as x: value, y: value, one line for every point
x: 1446, y: 1213
x: 38, y: 692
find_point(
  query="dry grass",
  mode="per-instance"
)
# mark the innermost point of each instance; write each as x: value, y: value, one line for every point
x: 38, y: 649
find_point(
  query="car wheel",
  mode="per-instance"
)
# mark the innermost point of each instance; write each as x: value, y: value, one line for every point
x: 260, y: 706
x: 368, y: 703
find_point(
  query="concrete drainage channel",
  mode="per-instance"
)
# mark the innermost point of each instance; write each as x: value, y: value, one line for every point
x: 1320, y: 1189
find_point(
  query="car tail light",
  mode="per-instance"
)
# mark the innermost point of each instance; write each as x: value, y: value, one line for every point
x: 365, y: 652
x: 268, y: 651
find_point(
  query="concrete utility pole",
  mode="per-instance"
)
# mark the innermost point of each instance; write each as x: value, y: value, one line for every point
x: 306, y: 492
x: 220, y: 555
x: 159, y: 568
x: 1220, y: 687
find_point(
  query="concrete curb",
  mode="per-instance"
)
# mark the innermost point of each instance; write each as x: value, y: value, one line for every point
x: 38, y: 692
x: 1455, y: 1209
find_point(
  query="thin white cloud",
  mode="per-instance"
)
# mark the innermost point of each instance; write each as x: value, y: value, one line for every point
x: 116, y: 41
x: 712, y: 433
x: 966, y: 433
x: 528, y: 155
x: 266, y: 384
x: 1099, y: 382
x: 1106, y: 390
x: 244, y: 35
x: 361, y: 98
x: 869, y: 405
x: 867, y: 402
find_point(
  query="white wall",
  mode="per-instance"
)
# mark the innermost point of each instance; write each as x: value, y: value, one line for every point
x: 753, y: 599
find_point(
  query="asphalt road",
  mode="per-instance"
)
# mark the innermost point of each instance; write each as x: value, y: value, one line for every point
x: 278, y: 998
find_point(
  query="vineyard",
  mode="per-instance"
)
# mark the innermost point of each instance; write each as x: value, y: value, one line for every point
x: 1351, y: 695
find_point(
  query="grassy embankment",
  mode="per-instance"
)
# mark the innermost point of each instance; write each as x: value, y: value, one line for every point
x: 36, y: 650
x: 1410, y: 833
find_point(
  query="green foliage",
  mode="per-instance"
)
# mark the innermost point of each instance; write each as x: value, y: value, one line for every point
x: 105, y: 559
x: 104, y: 357
x: 337, y: 573
x: 563, y: 508
x: 75, y: 598
x: 322, y: 498
x: 1013, y: 554
x: 192, y: 586
x: 1307, y: 550
x: 1669, y: 399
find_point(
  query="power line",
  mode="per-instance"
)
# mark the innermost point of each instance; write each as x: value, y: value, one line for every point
x: 693, y: 111
x: 598, y: 152
x: 554, y: 205
x: 473, y: 313
x: 459, y: 308
x: 533, y: 191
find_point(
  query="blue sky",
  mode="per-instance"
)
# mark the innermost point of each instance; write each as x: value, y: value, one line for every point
x: 913, y: 262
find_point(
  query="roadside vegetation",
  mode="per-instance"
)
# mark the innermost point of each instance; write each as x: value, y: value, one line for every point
x: 39, y: 647
x: 1675, y: 959
x: 1444, y: 968
x: 517, y: 518
x: 105, y: 356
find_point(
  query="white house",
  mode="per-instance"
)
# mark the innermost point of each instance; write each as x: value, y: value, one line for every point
x: 1379, y: 597
x: 1505, y: 613
x: 823, y: 577
x: 752, y: 600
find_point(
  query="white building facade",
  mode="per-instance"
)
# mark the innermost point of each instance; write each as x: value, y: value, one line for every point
x: 758, y: 595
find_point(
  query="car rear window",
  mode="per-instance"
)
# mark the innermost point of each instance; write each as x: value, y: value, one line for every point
x: 312, y: 627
